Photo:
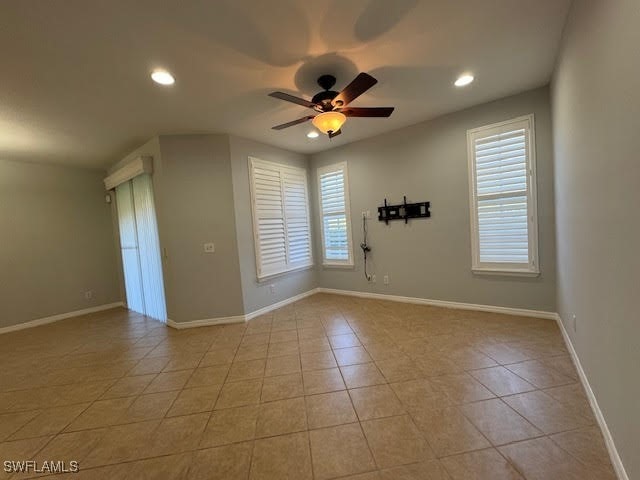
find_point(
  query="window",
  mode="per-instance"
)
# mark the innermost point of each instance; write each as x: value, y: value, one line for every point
x: 281, y: 228
x: 502, y: 186
x: 335, y: 218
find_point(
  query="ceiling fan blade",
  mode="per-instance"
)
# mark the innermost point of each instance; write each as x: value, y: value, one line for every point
x: 367, y: 111
x: 332, y: 134
x: 291, y: 124
x: 290, y: 98
x: 357, y: 87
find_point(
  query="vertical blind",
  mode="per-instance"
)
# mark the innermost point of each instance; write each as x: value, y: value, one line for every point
x: 502, y: 195
x: 140, y: 245
x: 149, y: 248
x: 280, y: 203
x: 129, y: 247
x: 334, y: 212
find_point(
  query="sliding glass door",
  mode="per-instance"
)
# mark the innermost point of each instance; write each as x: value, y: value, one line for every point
x: 140, y: 247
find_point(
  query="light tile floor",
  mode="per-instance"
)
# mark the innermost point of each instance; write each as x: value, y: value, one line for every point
x: 329, y: 387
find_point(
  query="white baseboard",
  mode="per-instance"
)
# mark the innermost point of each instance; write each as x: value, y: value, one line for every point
x: 608, y: 439
x: 205, y: 322
x: 61, y: 316
x: 281, y: 304
x: 523, y: 312
x: 239, y: 318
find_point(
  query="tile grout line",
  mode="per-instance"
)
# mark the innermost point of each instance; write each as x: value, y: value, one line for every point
x: 62, y: 431
x: 375, y: 462
x: 332, y: 349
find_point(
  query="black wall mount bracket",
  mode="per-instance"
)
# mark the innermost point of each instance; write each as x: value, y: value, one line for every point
x: 403, y: 211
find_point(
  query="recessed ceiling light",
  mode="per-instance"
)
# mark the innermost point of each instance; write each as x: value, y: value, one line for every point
x: 163, y: 77
x: 313, y: 134
x: 463, y: 80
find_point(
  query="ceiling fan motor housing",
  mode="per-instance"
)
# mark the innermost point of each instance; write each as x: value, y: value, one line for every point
x: 326, y: 81
x: 324, y: 98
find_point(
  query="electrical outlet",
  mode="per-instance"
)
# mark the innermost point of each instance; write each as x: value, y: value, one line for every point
x: 575, y: 323
x: 386, y: 279
x: 373, y: 279
x: 272, y: 288
x: 88, y: 295
x: 366, y: 214
x: 209, y: 248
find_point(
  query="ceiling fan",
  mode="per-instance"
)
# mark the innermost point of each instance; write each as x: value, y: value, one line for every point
x: 332, y: 107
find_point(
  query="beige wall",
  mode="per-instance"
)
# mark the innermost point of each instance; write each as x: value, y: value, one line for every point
x: 56, y: 242
x: 258, y: 294
x: 195, y: 206
x: 432, y: 258
x: 595, y: 120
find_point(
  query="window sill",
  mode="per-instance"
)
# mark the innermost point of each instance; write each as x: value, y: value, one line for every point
x: 506, y: 272
x: 271, y: 276
x: 345, y: 266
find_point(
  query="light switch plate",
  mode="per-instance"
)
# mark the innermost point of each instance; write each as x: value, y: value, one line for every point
x: 209, y: 248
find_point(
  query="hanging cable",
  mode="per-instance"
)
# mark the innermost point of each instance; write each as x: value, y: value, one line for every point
x: 365, y: 246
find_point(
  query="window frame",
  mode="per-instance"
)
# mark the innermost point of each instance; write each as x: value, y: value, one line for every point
x: 347, y: 206
x: 253, y: 162
x: 532, y: 268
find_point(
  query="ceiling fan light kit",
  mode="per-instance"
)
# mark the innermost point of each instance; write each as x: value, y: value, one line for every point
x: 331, y: 105
x: 329, y: 122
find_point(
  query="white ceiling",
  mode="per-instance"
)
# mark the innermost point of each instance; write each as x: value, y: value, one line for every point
x: 75, y: 86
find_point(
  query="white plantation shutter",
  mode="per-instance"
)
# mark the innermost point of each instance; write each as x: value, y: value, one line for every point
x: 335, y: 215
x: 296, y: 206
x: 502, y: 181
x: 269, y: 219
x: 280, y: 217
